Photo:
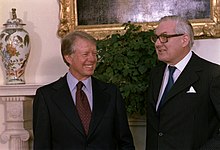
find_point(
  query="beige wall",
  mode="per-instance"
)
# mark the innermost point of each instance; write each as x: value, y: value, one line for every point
x: 45, y: 63
x: 41, y: 18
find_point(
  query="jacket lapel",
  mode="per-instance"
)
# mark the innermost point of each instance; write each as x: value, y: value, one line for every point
x: 156, y: 77
x: 186, y: 78
x: 64, y: 101
x: 100, y: 104
x: 157, y: 80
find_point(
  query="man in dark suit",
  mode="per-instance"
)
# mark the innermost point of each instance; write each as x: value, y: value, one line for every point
x: 188, y: 116
x: 57, y: 121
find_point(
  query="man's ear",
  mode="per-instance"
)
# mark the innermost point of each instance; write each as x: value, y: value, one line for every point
x: 68, y: 58
x: 185, y: 40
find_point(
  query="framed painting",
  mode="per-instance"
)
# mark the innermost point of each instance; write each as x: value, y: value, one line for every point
x: 103, y: 17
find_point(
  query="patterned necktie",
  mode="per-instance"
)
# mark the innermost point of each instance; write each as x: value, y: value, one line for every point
x: 168, y: 86
x: 83, y: 108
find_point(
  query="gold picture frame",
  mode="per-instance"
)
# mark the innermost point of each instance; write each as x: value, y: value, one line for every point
x: 203, y: 28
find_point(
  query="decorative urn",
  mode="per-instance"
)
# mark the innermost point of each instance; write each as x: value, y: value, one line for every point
x: 14, y: 49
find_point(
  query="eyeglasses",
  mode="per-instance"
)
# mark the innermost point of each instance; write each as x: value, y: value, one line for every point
x: 163, y: 37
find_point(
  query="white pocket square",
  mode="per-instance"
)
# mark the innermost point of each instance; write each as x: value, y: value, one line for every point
x: 191, y: 90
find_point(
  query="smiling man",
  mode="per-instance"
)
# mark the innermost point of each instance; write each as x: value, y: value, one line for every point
x: 78, y: 111
x: 183, y: 104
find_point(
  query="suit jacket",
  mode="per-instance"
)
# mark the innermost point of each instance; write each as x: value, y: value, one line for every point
x: 57, y: 126
x: 190, y: 116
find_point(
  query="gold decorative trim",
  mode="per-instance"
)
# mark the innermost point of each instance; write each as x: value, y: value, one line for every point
x: 203, y: 28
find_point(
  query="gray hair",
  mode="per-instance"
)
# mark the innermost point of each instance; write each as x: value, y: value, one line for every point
x: 68, y: 42
x: 183, y: 26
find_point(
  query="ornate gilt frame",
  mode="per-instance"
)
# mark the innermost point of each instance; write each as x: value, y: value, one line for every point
x: 203, y: 28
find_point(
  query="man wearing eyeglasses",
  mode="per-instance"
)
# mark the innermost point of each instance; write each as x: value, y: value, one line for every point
x: 183, y: 104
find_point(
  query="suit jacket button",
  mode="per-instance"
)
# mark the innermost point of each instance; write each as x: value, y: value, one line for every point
x: 160, y: 133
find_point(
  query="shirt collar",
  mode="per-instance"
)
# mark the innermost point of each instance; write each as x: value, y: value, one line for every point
x: 72, y: 81
x: 182, y: 64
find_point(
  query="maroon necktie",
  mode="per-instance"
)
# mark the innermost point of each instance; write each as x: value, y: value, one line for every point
x: 83, y: 108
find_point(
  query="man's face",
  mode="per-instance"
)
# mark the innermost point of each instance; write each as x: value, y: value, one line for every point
x: 83, y: 60
x: 173, y: 50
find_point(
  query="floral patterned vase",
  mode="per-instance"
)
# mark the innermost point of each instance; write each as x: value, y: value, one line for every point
x: 14, y: 49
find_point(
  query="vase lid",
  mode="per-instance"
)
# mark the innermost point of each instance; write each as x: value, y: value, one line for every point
x: 14, y: 21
